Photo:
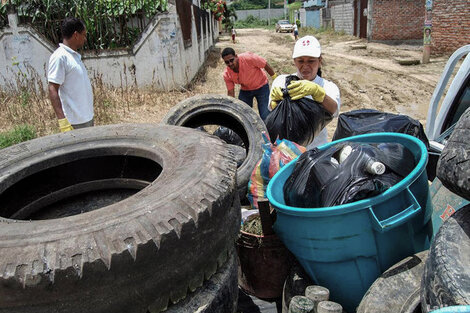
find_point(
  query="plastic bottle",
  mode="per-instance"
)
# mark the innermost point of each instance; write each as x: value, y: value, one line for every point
x: 345, y: 152
x: 372, y: 166
x: 375, y: 167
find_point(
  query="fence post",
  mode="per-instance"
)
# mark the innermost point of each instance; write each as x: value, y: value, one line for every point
x: 13, y: 20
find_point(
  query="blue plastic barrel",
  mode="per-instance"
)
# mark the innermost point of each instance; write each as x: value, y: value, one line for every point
x: 346, y: 247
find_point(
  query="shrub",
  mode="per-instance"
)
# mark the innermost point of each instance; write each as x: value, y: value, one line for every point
x: 18, y: 134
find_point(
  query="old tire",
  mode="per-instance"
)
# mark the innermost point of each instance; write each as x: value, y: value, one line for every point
x: 218, y: 294
x: 296, y: 283
x: 446, y: 278
x: 135, y: 255
x: 229, y: 112
x: 398, y: 289
x: 453, y: 167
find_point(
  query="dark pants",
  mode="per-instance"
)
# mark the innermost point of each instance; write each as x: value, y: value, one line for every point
x: 83, y: 125
x: 262, y: 97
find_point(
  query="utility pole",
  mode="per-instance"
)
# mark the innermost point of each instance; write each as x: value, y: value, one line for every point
x: 285, y: 9
x: 427, y: 32
x: 269, y: 12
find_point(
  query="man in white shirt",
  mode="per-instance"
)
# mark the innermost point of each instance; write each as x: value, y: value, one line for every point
x: 69, y: 87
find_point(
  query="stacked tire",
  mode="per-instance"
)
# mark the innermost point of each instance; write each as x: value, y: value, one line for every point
x: 118, y: 218
x: 446, y: 278
x: 231, y: 113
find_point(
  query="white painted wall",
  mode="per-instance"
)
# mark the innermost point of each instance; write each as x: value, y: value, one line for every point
x: 158, y: 59
x: 262, y: 14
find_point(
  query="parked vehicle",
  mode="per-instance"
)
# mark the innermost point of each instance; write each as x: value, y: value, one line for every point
x: 441, y: 119
x: 284, y: 26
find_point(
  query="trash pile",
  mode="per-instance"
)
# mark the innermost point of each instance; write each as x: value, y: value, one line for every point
x: 345, y: 173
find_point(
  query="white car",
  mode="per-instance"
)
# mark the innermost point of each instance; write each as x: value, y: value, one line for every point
x: 284, y: 26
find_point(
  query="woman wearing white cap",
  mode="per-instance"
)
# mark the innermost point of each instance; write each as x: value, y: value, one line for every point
x: 307, y: 59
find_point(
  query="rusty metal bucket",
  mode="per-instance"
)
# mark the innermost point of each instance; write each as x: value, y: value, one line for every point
x: 263, y: 264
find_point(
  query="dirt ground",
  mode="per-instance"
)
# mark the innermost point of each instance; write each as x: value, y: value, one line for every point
x: 367, y: 78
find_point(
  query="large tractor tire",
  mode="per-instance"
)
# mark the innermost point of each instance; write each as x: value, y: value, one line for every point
x: 119, y: 218
x: 218, y: 294
x: 228, y: 112
x: 398, y: 289
x: 446, y: 278
x: 453, y: 167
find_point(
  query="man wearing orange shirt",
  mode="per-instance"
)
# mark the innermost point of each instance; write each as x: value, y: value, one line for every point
x: 246, y: 70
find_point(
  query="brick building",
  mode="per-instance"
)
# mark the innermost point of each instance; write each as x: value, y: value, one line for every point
x: 403, y: 20
x: 450, y: 25
x: 396, y: 19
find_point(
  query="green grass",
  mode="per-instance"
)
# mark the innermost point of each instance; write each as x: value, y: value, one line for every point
x: 320, y: 32
x: 18, y: 134
x: 282, y: 67
x: 255, y: 22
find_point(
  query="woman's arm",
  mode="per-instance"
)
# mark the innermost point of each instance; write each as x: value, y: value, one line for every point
x: 329, y: 104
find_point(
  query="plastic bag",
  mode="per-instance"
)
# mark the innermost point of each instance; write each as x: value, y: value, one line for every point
x: 274, y: 157
x: 297, y: 120
x: 319, y: 179
x: 372, y: 121
x: 229, y: 136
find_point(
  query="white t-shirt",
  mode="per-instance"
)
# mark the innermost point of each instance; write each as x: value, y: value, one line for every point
x: 330, y: 89
x: 67, y: 69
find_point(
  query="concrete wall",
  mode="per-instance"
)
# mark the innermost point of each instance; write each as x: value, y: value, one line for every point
x: 261, y: 14
x: 158, y: 59
x: 450, y: 25
x: 303, y: 17
x: 342, y: 16
x: 398, y: 19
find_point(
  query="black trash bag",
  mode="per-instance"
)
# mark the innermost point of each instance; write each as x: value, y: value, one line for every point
x: 229, y: 136
x: 320, y: 180
x: 297, y: 120
x: 367, y: 121
x: 397, y: 158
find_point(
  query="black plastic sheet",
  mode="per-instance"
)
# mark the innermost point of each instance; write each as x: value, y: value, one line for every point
x: 296, y: 120
x: 320, y: 180
x: 229, y: 136
x: 367, y: 121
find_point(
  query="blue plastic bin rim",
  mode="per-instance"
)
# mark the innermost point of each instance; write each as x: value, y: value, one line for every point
x: 453, y: 309
x: 361, y: 204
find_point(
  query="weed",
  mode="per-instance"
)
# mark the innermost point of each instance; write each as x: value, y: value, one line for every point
x: 282, y: 67
x: 322, y: 32
x: 283, y: 40
x: 255, y: 22
x: 18, y: 134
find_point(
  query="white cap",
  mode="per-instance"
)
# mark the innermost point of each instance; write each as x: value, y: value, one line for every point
x: 307, y: 46
x: 376, y: 168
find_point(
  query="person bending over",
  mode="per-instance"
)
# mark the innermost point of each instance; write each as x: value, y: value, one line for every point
x: 246, y: 70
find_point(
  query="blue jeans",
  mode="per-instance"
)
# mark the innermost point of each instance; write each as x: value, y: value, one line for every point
x: 262, y: 97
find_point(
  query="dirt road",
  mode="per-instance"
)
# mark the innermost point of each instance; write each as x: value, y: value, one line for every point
x: 367, y: 78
